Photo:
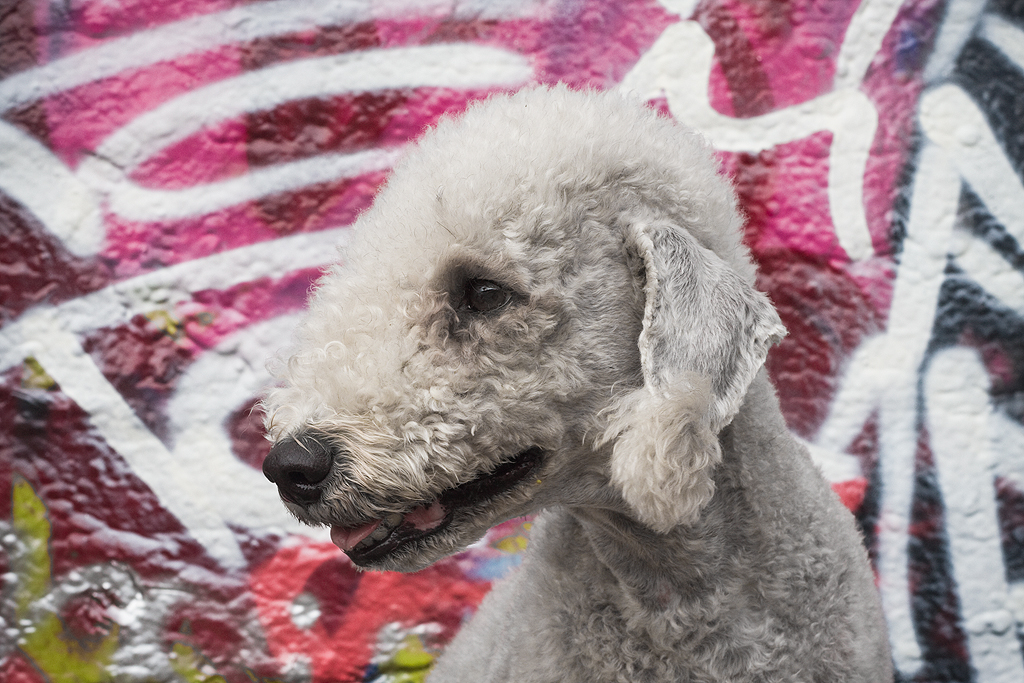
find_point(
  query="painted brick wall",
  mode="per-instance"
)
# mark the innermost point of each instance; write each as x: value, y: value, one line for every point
x: 175, y: 174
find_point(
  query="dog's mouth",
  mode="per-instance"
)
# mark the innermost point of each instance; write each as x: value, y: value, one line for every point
x: 370, y: 542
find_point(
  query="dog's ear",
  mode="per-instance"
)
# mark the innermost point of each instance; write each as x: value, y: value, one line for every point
x: 706, y: 332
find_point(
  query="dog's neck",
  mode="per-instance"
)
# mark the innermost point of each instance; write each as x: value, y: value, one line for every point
x: 687, y: 561
x: 692, y: 559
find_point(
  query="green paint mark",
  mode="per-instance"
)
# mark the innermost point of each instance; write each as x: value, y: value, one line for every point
x: 54, y: 650
x: 253, y: 678
x: 32, y: 565
x: 57, y: 653
x: 62, y: 657
x: 192, y: 666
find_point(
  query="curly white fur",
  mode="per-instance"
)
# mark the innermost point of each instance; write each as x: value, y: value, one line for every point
x: 684, y: 535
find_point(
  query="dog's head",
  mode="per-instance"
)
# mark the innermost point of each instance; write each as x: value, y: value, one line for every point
x: 547, y: 305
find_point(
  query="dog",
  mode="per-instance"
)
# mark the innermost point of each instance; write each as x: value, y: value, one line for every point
x: 549, y: 309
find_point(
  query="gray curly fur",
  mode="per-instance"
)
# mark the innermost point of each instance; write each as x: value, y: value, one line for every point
x: 684, y: 534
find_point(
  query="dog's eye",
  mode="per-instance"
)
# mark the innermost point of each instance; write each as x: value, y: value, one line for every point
x: 484, y: 296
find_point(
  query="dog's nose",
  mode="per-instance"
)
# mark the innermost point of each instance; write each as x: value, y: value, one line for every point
x: 298, y: 467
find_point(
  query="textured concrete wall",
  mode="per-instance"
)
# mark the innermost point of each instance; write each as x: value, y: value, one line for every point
x: 174, y: 175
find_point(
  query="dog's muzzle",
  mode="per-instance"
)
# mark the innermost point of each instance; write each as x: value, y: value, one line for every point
x: 298, y: 467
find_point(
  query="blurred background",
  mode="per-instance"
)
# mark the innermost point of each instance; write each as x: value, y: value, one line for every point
x: 175, y: 175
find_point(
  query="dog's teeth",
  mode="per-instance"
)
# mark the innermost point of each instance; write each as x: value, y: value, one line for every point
x: 384, y: 528
x: 379, y: 534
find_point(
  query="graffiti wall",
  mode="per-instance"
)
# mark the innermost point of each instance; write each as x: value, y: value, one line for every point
x: 174, y: 175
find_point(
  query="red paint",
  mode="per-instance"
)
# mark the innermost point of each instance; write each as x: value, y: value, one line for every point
x: 513, y: 33
x: 423, y: 108
x: 142, y: 362
x: 594, y: 44
x: 827, y: 318
x: 851, y: 492
x: 795, y: 43
x: 99, y: 510
x: 326, y: 40
x: 865, y: 445
x: 800, y: 217
x: 783, y: 194
x: 1010, y: 500
x: 437, y: 594
x: 17, y: 669
x: 258, y: 300
x: 213, y: 315
x: 215, y: 153
x: 85, y: 24
x: 86, y: 617
x: 334, y: 585
x: 18, y: 49
x: 1001, y: 358
x: 35, y: 268
x: 81, y: 118
x: 217, y: 630
x: 332, y: 204
x: 137, y: 247
x: 248, y: 438
x: 894, y: 92
x: 738, y: 85
x: 305, y: 128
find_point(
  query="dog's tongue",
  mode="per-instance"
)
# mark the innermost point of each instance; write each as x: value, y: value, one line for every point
x: 347, y: 538
x: 423, y: 518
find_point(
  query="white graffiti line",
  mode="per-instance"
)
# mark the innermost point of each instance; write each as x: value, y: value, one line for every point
x: 1008, y: 450
x: 679, y: 65
x: 39, y: 181
x: 144, y: 204
x: 1005, y: 36
x: 62, y: 357
x: 238, y: 495
x: 949, y: 118
x: 217, y: 384
x: 883, y: 377
x: 857, y: 397
x: 863, y: 40
x: 958, y: 25
x: 983, y: 264
x: 444, y: 65
x: 834, y: 465
x: 683, y: 8
x: 118, y: 303
x: 240, y: 24
x: 956, y: 390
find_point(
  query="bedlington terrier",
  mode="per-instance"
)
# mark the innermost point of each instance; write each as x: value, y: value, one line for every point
x: 548, y: 309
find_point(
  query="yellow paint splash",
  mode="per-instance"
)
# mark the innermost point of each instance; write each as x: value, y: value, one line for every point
x: 515, y: 542
x: 167, y: 323
x: 34, y: 376
x: 410, y: 664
